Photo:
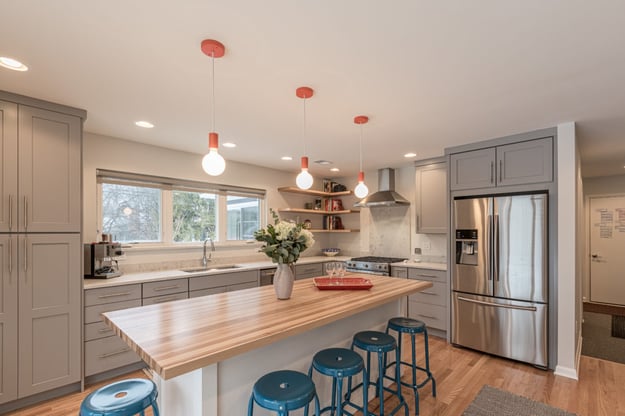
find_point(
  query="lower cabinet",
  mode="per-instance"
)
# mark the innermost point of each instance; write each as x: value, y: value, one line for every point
x: 165, y: 291
x: 430, y: 305
x: 220, y: 283
x: 305, y: 271
x: 104, y: 350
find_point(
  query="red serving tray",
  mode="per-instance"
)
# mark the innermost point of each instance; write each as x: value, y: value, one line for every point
x: 342, y: 283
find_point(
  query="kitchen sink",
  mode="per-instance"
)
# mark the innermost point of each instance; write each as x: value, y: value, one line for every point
x: 211, y: 268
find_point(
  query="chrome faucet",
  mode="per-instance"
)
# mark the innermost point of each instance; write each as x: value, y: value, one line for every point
x: 205, y: 259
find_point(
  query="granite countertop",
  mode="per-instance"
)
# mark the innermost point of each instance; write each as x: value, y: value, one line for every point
x: 421, y: 265
x: 144, y: 277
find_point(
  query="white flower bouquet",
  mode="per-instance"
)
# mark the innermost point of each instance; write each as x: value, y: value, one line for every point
x: 284, y: 240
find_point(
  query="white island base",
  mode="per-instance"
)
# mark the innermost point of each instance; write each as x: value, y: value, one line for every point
x: 224, y: 388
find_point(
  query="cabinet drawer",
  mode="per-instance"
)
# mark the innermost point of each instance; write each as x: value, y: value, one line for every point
x: 427, y: 274
x: 112, y: 294
x: 226, y: 279
x: 165, y: 298
x: 97, y: 330
x: 165, y: 287
x: 106, y: 354
x: 240, y: 286
x: 435, y: 295
x: 206, y: 292
x: 434, y: 316
x: 308, y: 270
x: 92, y: 313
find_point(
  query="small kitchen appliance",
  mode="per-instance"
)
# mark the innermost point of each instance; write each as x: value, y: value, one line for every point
x: 100, y: 260
x: 380, y: 266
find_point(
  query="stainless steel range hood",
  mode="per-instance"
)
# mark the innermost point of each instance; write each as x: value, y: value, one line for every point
x: 386, y: 195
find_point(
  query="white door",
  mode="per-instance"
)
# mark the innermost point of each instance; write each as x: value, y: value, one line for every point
x: 607, y: 248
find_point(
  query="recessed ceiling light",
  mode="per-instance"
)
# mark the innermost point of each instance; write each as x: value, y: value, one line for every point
x: 13, y: 64
x: 410, y: 155
x: 286, y: 158
x: 144, y: 124
x: 334, y: 170
x: 323, y: 162
x: 228, y: 144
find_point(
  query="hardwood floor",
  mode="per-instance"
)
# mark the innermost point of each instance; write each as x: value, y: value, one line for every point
x: 460, y: 374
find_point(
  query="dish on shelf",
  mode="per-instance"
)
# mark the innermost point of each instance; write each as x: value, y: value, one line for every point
x: 342, y: 283
x: 330, y: 252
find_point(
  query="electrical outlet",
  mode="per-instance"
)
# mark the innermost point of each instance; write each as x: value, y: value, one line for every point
x: 427, y: 245
x: 417, y: 250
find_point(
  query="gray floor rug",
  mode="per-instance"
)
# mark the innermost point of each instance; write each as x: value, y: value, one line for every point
x: 494, y: 402
x: 598, y: 340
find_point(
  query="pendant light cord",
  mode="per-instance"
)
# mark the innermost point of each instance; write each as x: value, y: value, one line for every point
x: 304, y: 128
x: 361, y: 147
x: 213, y: 86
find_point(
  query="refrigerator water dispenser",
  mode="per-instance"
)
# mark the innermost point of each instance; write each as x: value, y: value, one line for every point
x: 466, y: 247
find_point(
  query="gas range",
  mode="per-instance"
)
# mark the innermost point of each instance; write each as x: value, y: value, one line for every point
x: 372, y: 265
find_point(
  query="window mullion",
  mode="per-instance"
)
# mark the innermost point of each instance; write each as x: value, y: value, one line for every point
x: 168, y: 216
x: 222, y: 217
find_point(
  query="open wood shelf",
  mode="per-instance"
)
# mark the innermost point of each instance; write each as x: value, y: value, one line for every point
x: 317, y: 211
x: 335, y: 231
x: 295, y: 190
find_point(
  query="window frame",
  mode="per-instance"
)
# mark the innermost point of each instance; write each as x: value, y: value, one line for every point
x: 167, y: 187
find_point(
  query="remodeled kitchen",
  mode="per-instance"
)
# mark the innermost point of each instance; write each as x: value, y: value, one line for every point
x: 361, y: 266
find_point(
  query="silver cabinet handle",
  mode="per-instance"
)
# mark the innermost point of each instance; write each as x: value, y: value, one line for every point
x: 25, y: 258
x: 10, y: 258
x: 160, y: 289
x: 167, y: 299
x: 492, y: 172
x: 112, y: 295
x: 427, y: 275
x: 427, y: 316
x: 498, y: 305
x: 500, y: 170
x: 10, y: 213
x: 25, y: 213
x: 110, y: 354
x: 104, y: 330
x: 428, y: 293
x: 417, y: 224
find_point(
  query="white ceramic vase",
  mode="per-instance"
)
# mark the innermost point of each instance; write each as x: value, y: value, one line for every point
x: 283, y: 281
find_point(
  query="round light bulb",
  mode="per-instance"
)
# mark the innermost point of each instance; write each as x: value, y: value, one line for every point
x: 213, y: 163
x: 304, y: 180
x: 361, y: 190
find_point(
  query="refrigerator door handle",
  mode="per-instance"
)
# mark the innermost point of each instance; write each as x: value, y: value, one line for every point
x: 498, y: 305
x: 489, y: 244
x: 496, y: 247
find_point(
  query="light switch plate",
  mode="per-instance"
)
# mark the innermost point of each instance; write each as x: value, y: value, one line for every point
x: 427, y: 245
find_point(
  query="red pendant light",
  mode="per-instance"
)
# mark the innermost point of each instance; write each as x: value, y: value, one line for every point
x: 304, y: 179
x: 361, y: 189
x: 213, y: 163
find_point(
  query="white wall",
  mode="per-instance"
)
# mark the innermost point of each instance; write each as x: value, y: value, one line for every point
x: 567, y: 284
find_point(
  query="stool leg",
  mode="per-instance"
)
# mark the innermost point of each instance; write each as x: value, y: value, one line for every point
x: 427, y: 362
x: 250, y: 406
x: 339, y: 395
x: 380, y: 382
x: 155, y: 409
x: 365, y: 393
x: 414, y: 375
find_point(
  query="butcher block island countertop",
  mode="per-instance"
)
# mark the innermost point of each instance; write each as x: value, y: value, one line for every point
x: 178, y: 337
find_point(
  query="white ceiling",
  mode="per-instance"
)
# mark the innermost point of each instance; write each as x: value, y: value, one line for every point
x: 429, y: 74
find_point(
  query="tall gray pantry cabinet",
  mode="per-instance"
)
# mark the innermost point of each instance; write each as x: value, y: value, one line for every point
x: 40, y: 246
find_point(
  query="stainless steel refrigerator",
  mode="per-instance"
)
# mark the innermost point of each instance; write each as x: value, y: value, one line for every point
x: 500, y: 276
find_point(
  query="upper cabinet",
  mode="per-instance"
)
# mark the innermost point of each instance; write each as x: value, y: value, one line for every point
x: 520, y: 163
x: 41, y: 169
x: 431, y: 198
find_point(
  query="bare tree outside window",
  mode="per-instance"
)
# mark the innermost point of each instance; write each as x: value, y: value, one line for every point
x: 131, y: 213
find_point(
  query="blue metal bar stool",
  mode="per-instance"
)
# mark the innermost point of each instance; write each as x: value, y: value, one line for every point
x: 339, y: 363
x: 380, y: 343
x: 123, y: 398
x: 412, y: 327
x: 283, y: 391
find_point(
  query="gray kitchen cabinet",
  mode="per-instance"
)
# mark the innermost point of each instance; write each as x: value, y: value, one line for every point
x: 430, y: 305
x: 306, y: 271
x: 520, y: 163
x: 397, y: 271
x: 222, y: 282
x: 46, y: 151
x: 105, y: 351
x: 431, y: 198
x: 8, y: 318
x: 49, y: 290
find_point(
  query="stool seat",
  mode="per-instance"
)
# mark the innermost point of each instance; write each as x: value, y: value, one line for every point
x: 374, y: 341
x: 406, y: 325
x: 338, y: 362
x: 284, y: 390
x: 123, y: 398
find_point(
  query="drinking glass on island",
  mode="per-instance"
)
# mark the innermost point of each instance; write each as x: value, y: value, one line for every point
x: 340, y: 267
x: 330, y: 269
